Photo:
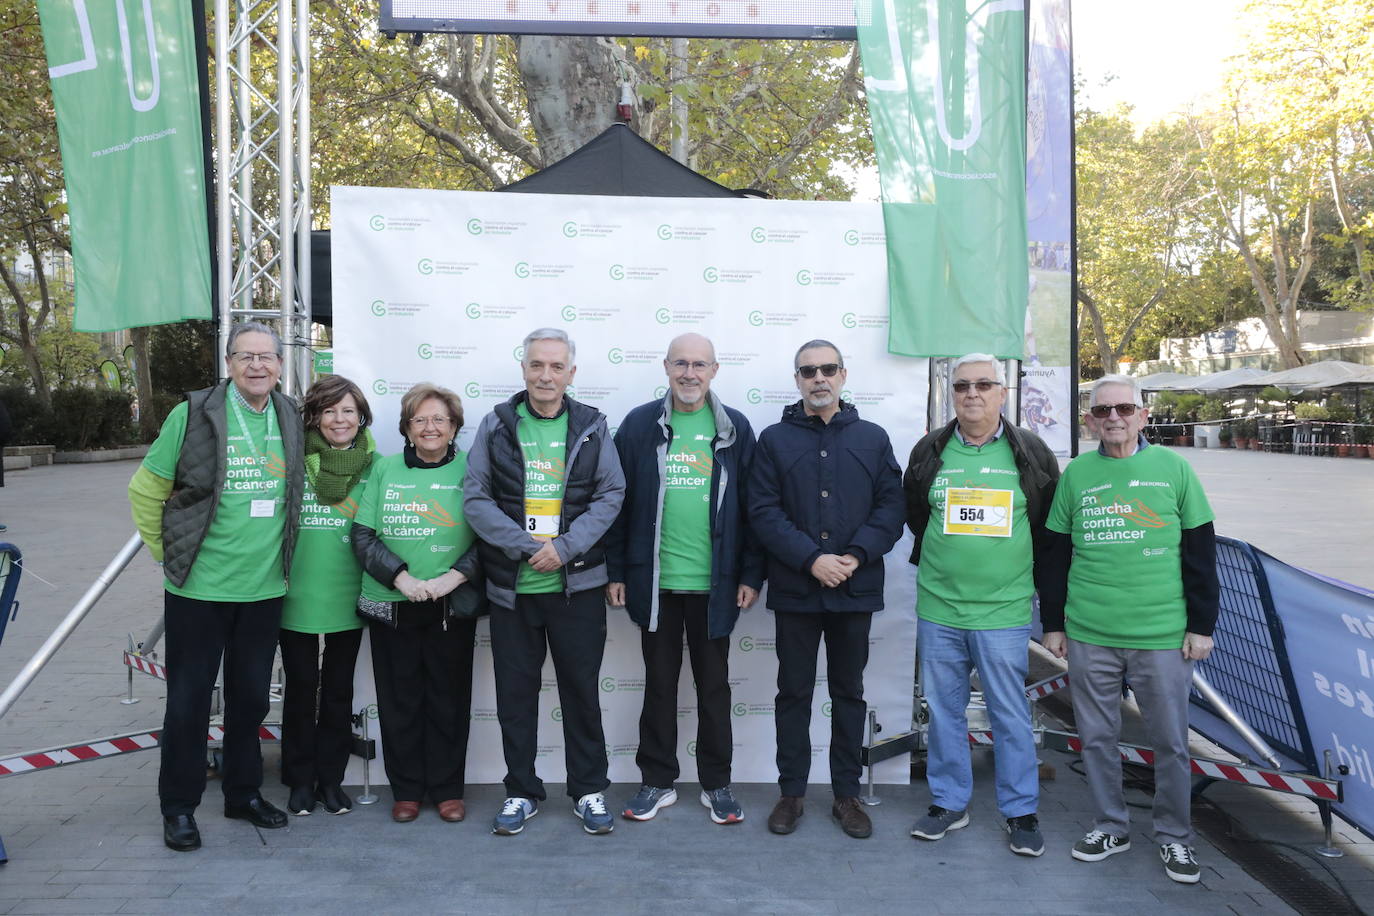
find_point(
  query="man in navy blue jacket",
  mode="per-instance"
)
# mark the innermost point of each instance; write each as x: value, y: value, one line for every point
x: 680, y: 559
x: 825, y: 500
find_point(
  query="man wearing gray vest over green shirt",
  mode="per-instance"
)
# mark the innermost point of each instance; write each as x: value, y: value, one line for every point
x: 217, y: 500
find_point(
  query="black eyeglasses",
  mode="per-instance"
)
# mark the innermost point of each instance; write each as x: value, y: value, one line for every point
x: 1103, y: 411
x: 982, y: 386
x: 828, y: 370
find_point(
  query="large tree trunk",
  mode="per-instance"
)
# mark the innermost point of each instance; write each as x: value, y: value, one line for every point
x: 572, y: 89
x: 143, y: 385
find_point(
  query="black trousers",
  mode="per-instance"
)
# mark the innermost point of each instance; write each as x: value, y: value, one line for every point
x: 846, y: 651
x: 710, y: 658
x: 573, y: 631
x: 317, y: 713
x: 423, y: 676
x: 199, y: 633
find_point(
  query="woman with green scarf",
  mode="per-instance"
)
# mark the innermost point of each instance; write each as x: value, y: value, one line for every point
x: 322, y: 597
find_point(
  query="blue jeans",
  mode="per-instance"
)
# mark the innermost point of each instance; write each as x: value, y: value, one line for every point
x: 947, y: 655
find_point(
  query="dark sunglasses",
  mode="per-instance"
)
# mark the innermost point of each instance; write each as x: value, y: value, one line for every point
x: 1103, y: 411
x: 983, y: 387
x: 828, y: 370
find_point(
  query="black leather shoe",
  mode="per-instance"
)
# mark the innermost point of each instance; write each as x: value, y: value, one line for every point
x: 180, y: 832
x: 335, y: 800
x: 301, y: 802
x: 257, y: 811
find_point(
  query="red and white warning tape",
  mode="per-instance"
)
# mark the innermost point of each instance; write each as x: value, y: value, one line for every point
x: 980, y: 738
x: 107, y: 747
x: 1046, y: 687
x: 147, y: 666
x: 1290, y: 783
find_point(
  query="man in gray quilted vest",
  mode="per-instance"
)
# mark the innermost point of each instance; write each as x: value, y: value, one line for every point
x: 217, y: 500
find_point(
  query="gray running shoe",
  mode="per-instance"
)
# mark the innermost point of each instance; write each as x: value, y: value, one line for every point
x: 938, y: 821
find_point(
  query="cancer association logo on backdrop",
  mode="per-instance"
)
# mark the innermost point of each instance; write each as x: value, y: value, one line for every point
x: 854, y: 237
x: 730, y: 274
x: 670, y: 233
x: 473, y: 310
x: 379, y: 223
x: 379, y: 308
x: 573, y: 229
x: 472, y: 390
x: 588, y: 315
x: 478, y: 226
x: 425, y: 266
x: 618, y: 356
x: 760, y: 235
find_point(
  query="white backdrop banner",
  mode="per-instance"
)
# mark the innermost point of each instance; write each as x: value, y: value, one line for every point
x: 443, y: 286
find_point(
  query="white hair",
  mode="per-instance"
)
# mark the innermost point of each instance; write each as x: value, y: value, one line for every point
x: 997, y: 374
x: 1126, y: 380
x: 557, y: 334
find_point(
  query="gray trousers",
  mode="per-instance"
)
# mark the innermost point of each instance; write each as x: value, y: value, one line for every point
x: 1160, y: 679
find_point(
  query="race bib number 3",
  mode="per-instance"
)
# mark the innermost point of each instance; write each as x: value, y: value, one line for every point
x: 541, y: 517
x: 976, y: 511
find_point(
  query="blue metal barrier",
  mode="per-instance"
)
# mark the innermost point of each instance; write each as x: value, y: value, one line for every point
x: 1249, y: 665
x: 10, y: 571
x: 1294, y: 656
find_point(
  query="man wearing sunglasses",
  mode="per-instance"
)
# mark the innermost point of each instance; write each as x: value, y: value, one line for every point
x: 977, y: 493
x: 681, y: 561
x: 1130, y: 592
x: 825, y: 500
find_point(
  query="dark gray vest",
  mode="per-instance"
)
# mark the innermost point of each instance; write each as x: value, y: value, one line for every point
x: 188, y: 512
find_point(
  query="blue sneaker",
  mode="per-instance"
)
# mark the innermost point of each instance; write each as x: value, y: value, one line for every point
x: 514, y: 813
x: 647, y: 801
x: 724, y: 808
x: 596, y: 817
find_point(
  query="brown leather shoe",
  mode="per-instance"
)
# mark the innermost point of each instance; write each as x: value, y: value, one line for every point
x: 404, y: 812
x: 785, y: 814
x: 453, y: 810
x: 852, y: 817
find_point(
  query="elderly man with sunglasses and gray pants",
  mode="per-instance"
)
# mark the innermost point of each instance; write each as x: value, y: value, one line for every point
x: 977, y: 493
x: 1130, y: 593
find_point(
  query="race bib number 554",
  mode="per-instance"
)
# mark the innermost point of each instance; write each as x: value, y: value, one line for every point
x: 979, y: 512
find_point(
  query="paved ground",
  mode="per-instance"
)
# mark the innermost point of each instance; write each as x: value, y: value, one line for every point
x: 87, y: 838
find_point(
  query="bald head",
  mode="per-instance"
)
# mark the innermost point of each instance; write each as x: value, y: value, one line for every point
x: 690, y: 366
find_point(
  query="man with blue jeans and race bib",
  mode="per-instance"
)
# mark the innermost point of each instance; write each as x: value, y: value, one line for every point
x: 978, y: 491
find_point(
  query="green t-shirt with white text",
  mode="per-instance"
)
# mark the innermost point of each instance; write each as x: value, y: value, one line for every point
x: 684, y: 546
x: 1126, y: 517
x: 976, y: 581
x: 325, y: 576
x: 418, y: 514
x: 241, y: 556
x: 544, y: 444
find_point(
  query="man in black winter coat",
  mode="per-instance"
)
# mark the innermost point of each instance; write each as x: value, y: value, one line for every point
x: 825, y: 500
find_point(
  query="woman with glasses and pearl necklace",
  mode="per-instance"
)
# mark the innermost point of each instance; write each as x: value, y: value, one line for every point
x: 422, y: 604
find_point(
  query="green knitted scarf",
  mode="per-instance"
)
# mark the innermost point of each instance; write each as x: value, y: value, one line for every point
x: 333, y: 471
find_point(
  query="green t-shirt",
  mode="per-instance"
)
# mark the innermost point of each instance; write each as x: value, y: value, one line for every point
x: 1126, y: 517
x: 240, y: 558
x: 976, y: 581
x: 544, y: 443
x: 325, y: 576
x: 684, y: 546
x: 418, y: 514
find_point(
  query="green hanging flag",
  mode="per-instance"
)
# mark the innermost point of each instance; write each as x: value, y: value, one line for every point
x: 127, y: 97
x: 946, y: 93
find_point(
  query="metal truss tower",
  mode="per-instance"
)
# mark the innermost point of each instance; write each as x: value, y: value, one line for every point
x: 262, y: 165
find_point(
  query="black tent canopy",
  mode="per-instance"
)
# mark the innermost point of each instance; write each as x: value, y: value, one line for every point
x: 617, y: 162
